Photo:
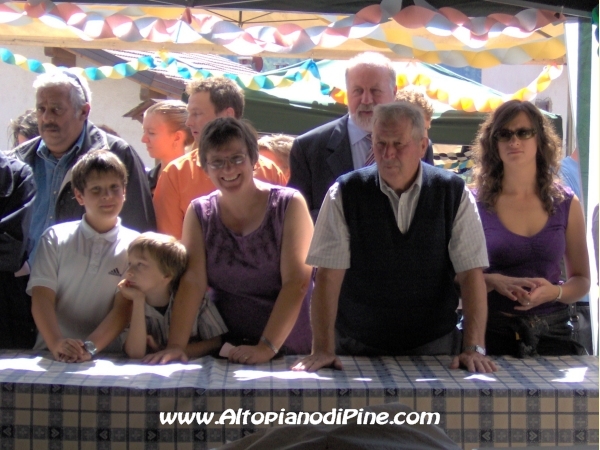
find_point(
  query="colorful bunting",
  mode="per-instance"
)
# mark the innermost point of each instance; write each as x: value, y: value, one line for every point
x: 409, y: 76
x: 117, y: 72
x: 458, y: 100
x: 435, y: 36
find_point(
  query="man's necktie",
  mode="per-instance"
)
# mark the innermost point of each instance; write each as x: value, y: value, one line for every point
x: 370, y: 157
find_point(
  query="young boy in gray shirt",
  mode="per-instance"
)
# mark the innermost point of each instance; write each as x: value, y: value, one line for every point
x: 156, y: 263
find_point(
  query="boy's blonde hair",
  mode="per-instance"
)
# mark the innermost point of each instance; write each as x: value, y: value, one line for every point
x: 168, y: 252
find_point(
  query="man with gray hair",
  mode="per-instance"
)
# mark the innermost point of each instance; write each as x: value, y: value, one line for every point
x: 63, y: 102
x: 389, y: 242
x: 321, y: 155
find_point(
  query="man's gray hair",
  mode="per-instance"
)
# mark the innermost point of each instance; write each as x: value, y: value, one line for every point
x: 372, y: 59
x: 391, y: 113
x: 80, y: 90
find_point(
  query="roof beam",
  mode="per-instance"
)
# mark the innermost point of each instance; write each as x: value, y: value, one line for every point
x: 569, y: 11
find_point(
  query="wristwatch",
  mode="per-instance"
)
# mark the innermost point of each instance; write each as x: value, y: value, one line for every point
x: 90, y: 347
x: 475, y: 348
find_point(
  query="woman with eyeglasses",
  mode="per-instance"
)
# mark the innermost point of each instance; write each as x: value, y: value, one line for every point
x: 247, y: 242
x: 531, y: 223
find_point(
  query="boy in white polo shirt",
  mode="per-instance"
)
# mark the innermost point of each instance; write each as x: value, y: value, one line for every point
x: 79, y: 265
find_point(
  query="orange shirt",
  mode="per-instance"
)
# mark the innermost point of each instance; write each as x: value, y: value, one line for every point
x: 183, y: 180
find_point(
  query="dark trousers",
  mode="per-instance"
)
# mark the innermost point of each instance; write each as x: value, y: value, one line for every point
x: 17, y: 328
x: 532, y: 335
x: 449, y: 344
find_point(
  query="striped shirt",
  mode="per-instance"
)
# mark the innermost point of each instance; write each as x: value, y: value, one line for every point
x: 208, y: 323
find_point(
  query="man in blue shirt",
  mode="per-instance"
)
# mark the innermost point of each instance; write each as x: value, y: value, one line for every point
x: 63, y: 103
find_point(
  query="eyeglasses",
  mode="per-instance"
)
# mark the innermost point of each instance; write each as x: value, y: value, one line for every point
x: 74, y: 77
x: 522, y: 134
x: 235, y: 160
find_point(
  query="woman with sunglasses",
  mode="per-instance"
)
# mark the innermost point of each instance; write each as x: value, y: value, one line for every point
x: 247, y: 241
x: 531, y: 223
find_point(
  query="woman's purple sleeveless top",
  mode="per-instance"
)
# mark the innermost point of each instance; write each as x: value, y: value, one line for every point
x: 537, y: 256
x: 244, y: 271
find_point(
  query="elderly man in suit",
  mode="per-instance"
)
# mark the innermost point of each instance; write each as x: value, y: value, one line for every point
x: 323, y: 154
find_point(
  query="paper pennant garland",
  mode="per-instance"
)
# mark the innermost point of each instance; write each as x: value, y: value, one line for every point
x: 308, y: 69
x: 475, y: 31
x: 127, y: 69
x: 445, y: 36
x: 117, y: 72
x: 457, y: 100
x: 256, y: 82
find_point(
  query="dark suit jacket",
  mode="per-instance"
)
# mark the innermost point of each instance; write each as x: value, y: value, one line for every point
x: 428, y: 158
x: 317, y: 159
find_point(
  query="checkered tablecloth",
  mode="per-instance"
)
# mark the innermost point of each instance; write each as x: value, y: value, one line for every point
x: 115, y: 403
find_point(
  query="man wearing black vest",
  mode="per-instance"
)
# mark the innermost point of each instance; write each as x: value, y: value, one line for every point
x: 389, y: 242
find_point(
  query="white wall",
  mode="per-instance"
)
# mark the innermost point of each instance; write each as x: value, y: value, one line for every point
x: 17, y: 93
x: 110, y: 100
x: 509, y: 79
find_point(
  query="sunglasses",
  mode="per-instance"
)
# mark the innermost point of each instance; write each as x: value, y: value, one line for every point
x: 75, y: 78
x: 235, y: 160
x: 505, y: 135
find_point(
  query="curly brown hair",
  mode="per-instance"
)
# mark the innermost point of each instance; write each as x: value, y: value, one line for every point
x: 489, y: 169
x: 415, y: 97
